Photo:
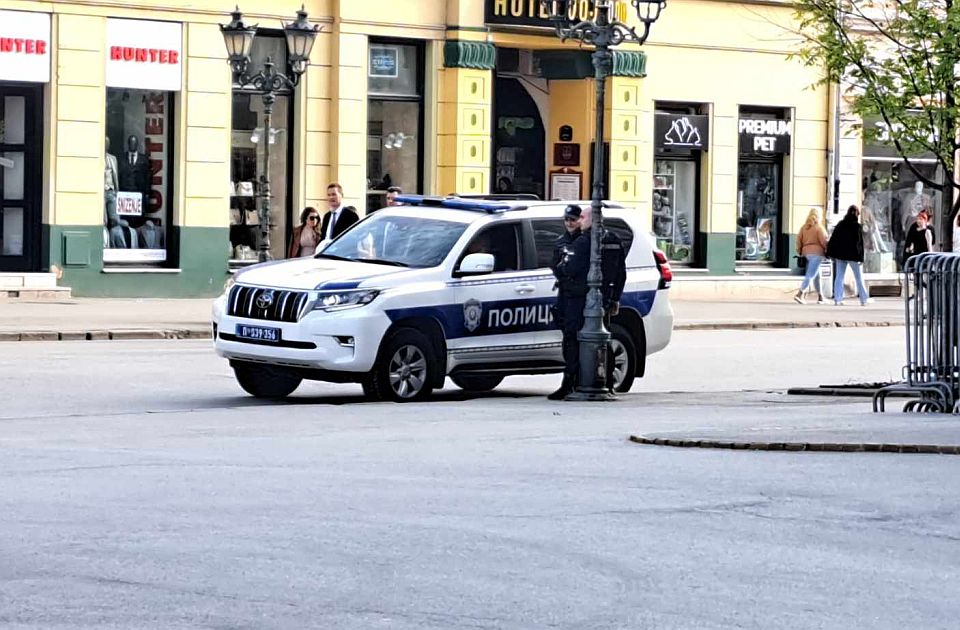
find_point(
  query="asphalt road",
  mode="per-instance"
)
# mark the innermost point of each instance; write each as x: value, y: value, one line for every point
x: 140, y: 489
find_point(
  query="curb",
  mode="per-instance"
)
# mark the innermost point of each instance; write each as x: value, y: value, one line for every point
x: 782, y: 325
x: 816, y: 447
x: 106, y: 335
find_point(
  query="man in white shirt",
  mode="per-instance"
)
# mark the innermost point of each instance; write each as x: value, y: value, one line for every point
x: 339, y: 218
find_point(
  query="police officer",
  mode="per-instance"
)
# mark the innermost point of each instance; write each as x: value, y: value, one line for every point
x: 571, y: 262
x: 613, y: 264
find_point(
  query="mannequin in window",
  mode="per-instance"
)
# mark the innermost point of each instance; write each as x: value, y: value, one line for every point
x: 135, y: 170
x: 150, y: 235
x: 115, y: 226
x: 916, y: 203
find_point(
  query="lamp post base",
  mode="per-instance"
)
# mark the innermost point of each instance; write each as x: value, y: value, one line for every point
x: 589, y: 394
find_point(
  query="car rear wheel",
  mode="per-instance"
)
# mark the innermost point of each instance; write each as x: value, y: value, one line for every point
x: 406, y: 368
x: 477, y: 382
x: 623, y: 354
x: 265, y: 381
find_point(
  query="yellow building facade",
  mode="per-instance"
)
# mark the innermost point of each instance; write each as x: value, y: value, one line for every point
x: 713, y: 136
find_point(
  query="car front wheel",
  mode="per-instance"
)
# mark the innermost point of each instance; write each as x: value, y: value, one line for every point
x: 406, y: 368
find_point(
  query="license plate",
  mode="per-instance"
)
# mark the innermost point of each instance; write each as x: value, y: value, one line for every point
x: 258, y: 333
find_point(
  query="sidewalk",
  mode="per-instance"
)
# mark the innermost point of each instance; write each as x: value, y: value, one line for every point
x: 117, y: 318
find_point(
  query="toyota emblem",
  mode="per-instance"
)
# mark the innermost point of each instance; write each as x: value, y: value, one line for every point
x: 265, y: 300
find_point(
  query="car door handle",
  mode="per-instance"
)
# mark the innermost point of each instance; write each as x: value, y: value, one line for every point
x: 524, y: 288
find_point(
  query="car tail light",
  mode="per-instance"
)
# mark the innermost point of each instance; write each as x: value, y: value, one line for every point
x: 663, y: 265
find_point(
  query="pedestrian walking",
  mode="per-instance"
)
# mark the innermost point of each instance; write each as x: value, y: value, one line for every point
x: 340, y: 217
x: 306, y: 236
x: 571, y: 261
x: 846, y: 249
x: 811, y: 246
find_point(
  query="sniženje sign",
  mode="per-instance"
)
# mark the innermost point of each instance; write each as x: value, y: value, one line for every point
x: 764, y: 136
x: 130, y: 204
x: 383, y: 62
x: 530, y: 12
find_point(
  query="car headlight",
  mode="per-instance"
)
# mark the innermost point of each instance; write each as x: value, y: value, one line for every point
x: 229, y: 282
x: 339, y: 300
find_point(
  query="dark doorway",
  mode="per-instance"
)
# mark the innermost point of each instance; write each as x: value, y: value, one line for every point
x: 21, y: 146
x: 519, y: 140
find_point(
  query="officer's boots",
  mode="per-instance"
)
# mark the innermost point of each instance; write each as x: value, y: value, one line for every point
x: 566, y: 386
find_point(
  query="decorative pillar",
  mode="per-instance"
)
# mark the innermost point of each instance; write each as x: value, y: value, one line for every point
x: 628, y: 132
x: 465, y: 112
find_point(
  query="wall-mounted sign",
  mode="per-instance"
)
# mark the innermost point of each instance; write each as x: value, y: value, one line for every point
x: 383, y: 62
x: 764, y: 136
x: 566, y: 154
x: 566, y: 133
x: 144, y: 55
x: 682, y: 133
x: 529, y: 12
x: 24, y: 46
x: 565, y: 185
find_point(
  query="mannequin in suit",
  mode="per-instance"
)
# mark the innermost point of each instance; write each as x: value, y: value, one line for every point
x: 111, y: 220
x: 135, y: 170
x: 341, y: 217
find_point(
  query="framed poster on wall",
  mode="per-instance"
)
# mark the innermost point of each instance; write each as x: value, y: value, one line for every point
x: 565, y: 185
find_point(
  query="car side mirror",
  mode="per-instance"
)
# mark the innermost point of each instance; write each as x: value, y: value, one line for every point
x: 473, y: 264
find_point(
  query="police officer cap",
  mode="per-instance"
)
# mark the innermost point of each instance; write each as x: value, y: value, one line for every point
x: 571, y: 212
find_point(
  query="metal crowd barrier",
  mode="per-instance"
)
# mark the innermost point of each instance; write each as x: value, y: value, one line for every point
x: 931, y: 298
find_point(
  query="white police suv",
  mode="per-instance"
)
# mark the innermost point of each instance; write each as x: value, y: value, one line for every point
x: 434, y: 288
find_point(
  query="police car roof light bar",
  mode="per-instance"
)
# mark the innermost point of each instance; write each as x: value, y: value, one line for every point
x: 454, y: 203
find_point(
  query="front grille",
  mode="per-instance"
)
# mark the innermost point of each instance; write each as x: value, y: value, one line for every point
x: 274, y: 305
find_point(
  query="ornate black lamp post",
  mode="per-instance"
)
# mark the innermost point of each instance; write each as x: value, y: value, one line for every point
x: 602, y: 32
x: 238, y: 38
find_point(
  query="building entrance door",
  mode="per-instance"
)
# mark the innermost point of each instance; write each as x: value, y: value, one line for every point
x: 21, y: 145
x: 519, y: 140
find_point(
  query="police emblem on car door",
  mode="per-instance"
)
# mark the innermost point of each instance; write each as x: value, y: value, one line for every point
x: 500, y: 309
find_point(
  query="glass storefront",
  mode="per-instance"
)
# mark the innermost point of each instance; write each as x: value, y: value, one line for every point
x: 758, y: 211
x: 893, y: 195
x: 248, y: 147
x: 394, y: 120
x: 137, y: 184
x: 674, y: 207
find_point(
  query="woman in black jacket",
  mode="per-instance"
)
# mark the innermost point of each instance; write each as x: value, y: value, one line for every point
x: 846, y: 249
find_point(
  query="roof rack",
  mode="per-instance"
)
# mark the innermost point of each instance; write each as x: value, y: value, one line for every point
x: 457, y: 203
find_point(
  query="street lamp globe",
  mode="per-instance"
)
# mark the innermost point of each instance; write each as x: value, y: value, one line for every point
x: 300, y: 39
x: 648, y: 11
x: 238, y: 38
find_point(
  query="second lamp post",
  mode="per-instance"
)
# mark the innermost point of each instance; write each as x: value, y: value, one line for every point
x: 238, y: 38
x: 603, y: 32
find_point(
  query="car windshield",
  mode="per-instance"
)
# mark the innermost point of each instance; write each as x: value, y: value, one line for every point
x: 397, y: 240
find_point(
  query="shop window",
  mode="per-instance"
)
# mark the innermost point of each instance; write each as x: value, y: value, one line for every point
x: 892, y: 198
x: 765, y: 138
x: 674, y: 207
x: 248, y: 149
x: 394, y: 120
x: 138, y: 187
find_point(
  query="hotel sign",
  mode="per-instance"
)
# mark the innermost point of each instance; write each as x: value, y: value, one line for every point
x: 529, y: 12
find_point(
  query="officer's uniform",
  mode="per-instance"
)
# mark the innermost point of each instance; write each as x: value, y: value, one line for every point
x: 573, y: 263
x: 613, y: 263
